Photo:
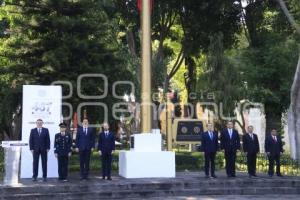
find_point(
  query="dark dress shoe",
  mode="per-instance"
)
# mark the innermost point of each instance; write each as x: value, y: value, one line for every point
x: 213, y: 176
x: 34, y: 179
x: 44, y: 179
x: 109, y: 179
x: 279, y: 175
x: 206, y: 176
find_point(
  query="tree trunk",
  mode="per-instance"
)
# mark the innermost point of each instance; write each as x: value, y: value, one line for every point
x: 190, y: 84
x: 293, y: 115
x: 273, y: 120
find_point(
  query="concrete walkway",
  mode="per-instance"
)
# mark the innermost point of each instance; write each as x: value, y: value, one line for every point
x: 232, y: 197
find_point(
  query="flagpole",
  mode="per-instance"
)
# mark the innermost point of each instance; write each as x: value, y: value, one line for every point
x: 146, y: 113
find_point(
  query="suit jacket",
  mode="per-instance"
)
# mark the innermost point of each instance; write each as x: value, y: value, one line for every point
x: 209, y: 145
x: 39, y: 142
x: 273, y: 147
x: 250, y: 145
x: 63, y: 144
x: 230, y: 144
x: 85, y: 141
x: 106, y: 144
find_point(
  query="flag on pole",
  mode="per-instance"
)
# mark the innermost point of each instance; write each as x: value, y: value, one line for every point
x: 75, y: 120
x: 139, y: 4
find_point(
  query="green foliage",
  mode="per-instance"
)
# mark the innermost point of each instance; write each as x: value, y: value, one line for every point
x: 59, y: 40
x: 4, y: 25
x: 260, y: 69
x: 269, y: 71
x: 222, y: 76
x: 195, y: 161
x: 268, y: 64
x: 201, y: 19
x: 48, y: 40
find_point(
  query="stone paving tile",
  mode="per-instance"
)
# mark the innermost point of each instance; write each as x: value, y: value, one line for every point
x: 229, y: 197
x: 180, y: 176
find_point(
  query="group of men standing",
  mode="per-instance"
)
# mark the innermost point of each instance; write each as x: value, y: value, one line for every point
x: 39, y: 143
x: 230, y: 144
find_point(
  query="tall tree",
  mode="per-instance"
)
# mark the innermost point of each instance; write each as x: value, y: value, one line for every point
x: 270, y: 59
x: 200, y: 20
x: 293, y: 116
x: 59, y: 40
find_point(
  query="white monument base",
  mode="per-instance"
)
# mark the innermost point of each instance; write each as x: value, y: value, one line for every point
x: 146, y: 160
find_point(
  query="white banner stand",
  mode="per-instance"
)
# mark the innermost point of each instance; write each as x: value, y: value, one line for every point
x: 40, y: 102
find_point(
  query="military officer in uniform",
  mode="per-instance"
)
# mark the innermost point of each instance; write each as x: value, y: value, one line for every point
x: 63, y: 150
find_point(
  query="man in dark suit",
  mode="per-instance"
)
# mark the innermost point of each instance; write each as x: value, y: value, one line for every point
x: 106, y: 146
x: 85, y: 143
x: 209, y: 146
x: 251, y: 148
x: 230, y: 143
x: 274, y: 148
x: 62, y: 146
x: 39, y: 144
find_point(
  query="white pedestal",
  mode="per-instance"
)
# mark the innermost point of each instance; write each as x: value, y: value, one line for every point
x: 146, y: 160
x: 12, y: 154
x: 12, y: 162
x: 147, y: 143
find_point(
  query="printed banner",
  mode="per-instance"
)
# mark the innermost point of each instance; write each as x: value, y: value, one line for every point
x: 40, y: 102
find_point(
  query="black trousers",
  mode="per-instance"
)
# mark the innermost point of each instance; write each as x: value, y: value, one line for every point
x: 106, y: 164
x: 209, y: 163
x: 251, y: 163
x: 36, y: 159
x: 84, y: 157
x: 272, y: 159
x: 63, y: 162
x: 230, y: 157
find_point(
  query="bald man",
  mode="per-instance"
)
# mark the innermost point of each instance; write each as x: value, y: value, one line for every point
x: 106, y: 146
